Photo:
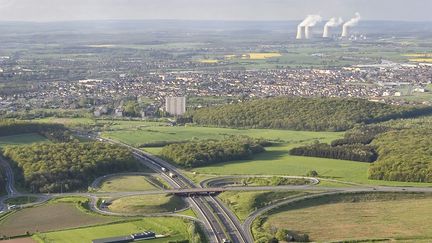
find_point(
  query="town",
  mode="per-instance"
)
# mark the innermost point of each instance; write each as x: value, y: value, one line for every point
x: 384, y: 83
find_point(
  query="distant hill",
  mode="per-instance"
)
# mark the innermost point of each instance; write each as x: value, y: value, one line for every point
x: 314, y: 114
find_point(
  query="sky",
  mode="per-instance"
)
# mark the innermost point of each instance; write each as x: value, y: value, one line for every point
x: 66, y: 10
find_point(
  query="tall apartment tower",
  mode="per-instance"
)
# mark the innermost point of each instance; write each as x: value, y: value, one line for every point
x: 175, y: 106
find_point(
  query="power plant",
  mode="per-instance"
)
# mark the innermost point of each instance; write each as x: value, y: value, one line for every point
x: 305, y: 28
x: 333, y: 22
x: 351, y: 23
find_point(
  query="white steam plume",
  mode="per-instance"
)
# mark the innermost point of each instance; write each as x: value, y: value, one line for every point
x: 333, y: 22
x: 308, y: 22
x: 351, y: 23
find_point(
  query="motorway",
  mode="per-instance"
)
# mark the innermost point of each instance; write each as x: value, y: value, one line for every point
x: 9, y: 179
x: 218, y: 221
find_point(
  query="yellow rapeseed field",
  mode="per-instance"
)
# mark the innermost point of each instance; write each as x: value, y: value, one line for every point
x: 260, y: 56
x: 428, y: 60
x: 418, y: 55
x: 210, y: 61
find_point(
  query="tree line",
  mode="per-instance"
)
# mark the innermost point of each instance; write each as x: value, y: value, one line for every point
x: 360, y: 135
x: 354, y: 152
x: 200, y: 153
x: 296, y: 113
x: 54, y: 132
x: 67, y: 166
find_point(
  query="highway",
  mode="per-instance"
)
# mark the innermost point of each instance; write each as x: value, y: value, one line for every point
x: 218, y: 221
x: 220, y: 224
x: 10, y: 180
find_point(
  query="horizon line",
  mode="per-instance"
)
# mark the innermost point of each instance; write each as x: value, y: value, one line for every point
x: 192, y: 20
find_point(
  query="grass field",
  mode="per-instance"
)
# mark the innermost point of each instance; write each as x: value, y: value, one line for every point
x: 22, y: 139
x: 276, y: 161
x: 244, y: 203
x: 147, y: 204
x: 128, y: 183
x: 59, y: 214
x: 165, y: 133
x: 108, y: 124
x: 403, y: 219
x: 177, y: 229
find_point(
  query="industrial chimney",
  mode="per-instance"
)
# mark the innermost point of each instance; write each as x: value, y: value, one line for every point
x: 333, y: 22
x: 308, y: 22
x: 351, y: 23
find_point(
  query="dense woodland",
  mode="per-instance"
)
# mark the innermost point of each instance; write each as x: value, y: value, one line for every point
x: 67, y: 166
x: 355, y: 152
x: 360, y: 135
x: 200, y: 153
x: 316, y: 114
x: 54, y: 132
x: 404, y: 155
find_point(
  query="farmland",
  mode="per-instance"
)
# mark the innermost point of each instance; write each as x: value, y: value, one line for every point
x: 367, y: 217
x: 177, y: 229
x: 49, y: 217
x: 47, y: 223
x: 147, y: 204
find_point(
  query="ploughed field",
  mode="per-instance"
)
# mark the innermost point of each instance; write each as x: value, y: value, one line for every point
x: 59, y: 214
x: 392, y: 218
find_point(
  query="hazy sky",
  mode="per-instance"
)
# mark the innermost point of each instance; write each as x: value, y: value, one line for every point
x: 55, y: 10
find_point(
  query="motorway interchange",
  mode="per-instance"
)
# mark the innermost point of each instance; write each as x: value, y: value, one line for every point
x: 219, y: 223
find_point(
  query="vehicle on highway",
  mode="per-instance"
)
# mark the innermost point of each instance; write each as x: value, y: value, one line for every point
x: 164, y: 169
x: 172, y: 175
x: 12, y: 207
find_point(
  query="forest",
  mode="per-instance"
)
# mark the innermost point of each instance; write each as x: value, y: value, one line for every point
x: 295, y: 113
x: 200, y: 153
x: 54, y: 132
x: 354, y: 152
x: 361, y: 135
x: 404, y: 155
x: 67, y: 166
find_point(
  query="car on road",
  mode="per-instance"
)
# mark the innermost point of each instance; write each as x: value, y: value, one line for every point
x: 12, y: 207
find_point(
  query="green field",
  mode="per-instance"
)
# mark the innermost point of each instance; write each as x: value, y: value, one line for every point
x: 182, y: 133
x: 22, y: 139
x: 392, y: 218
x: 177, y: 229
x: 130, y: 183
x: 147, y: 204
x: 54, y: 215
x: 244, y: 203
x: 104, y: 124
x: 276, y: 161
